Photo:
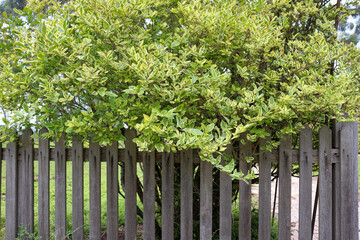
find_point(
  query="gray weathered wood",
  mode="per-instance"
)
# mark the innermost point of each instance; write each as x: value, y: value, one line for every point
x: 20, y: 182
x: 1, y: 160
x: 186, y: 188
x: 336, y: 221
x: 225, y: 203
x: 264, y: 190
x: 167, y: 193
x: 60, y: 188
x: 325, y: 184
x: 149, y: 196
x: 349, y: 228
x: 44, y: 187
x: 130, y: 185
x: 205, y: 200
x: 95, y: 191
x: 11, y: 221
x: 77, y: 190
x: 355, y: 129
x: 112, y: 187
x: 285, y: 188
x: 26, y: 186
x: 305, y: 188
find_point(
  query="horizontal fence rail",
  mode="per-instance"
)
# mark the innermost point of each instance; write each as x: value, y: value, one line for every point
x: 274, y: 156
x: 338, y: 188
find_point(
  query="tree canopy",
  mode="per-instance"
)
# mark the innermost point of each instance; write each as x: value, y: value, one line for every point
x: 183, y: 74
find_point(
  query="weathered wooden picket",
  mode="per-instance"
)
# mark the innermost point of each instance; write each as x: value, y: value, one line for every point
x: 338, y: 184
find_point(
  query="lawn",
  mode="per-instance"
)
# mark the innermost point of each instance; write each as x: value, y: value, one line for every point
x: 68, y: 198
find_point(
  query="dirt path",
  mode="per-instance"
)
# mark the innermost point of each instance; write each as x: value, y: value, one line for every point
x: 294, y: 205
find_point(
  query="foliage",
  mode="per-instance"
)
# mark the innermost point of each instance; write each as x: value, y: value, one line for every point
x: 255, y: 226
x: 183, y: 74
x: 24, y: 234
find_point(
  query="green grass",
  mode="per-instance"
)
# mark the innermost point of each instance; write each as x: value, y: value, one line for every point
x: 68, y: 198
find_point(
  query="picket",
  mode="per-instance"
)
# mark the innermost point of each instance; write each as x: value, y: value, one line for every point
x: 285, y: 159
x: 130, y: 185
x: 305, y: 188
x: 325, y: 183
x: 225, y: 202
x: 167, y: 192
x: 206, y: 172
x: 244, y: 194
x: 264, y: 191
x: 348, y: 230
x: 95, y: 190
x: 77, y: 190
x: 112, y: 186
x: 149, y: 196
x: 11, y: 221
x: 44, y: 187
x: 26, y: 183
x: 186, y: 188
x: 60, y: 188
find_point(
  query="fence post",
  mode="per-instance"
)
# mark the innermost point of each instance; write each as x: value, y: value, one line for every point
x: 355, y: 142
x: 348, y: 157
x: 11, y: 221
x: 336, y: 224
x: 1, y: 159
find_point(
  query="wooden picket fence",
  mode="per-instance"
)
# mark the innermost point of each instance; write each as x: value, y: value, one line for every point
x: 338, y: 184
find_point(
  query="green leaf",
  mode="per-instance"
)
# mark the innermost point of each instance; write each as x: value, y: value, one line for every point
x: 111, y: 94
x: 193, y: 131
x: 175, y: 44
x: 210, y: 127
x: 102, y: 91
x: 26, y: 108
x: 42, y: 27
